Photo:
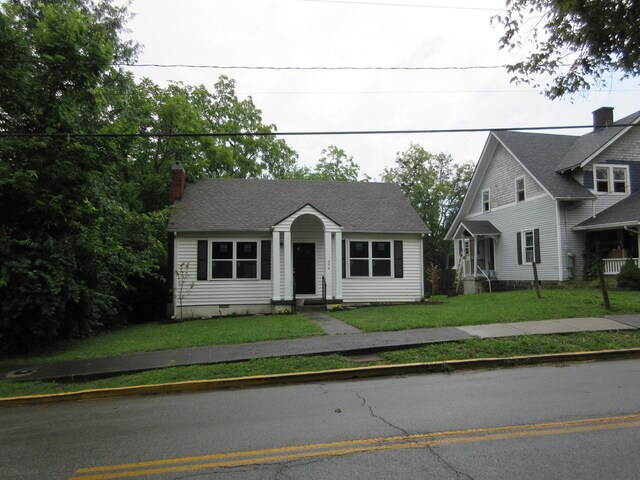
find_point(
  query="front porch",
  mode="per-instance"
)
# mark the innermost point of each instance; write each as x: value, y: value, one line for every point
x: 615, y: 247
x: 306, y: 248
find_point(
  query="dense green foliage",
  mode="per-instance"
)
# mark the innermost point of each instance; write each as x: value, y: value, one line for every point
x: 435, y: 185
x: 82, y: 238
x: 629, y: 276
x: 578, y: 43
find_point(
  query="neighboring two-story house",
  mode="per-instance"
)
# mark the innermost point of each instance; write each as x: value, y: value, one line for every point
x: 556, y: 200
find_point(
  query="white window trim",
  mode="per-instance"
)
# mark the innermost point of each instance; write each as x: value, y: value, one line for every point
x: 370, y: 258
x: 610, y: 190
x: 234, y: 259
x: 488, y: 192
x: 524, y: 188
x: 524, y: 246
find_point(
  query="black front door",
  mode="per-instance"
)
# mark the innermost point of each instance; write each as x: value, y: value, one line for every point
x: 304, y: 268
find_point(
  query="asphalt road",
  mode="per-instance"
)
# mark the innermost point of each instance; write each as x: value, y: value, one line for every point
x: 569, y: 421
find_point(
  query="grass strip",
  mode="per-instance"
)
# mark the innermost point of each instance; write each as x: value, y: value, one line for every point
x: 515, y: 306
x: 471, y: 348
x: 166, y: 336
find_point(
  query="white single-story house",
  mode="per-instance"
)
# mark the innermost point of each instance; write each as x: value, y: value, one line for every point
x: 559, y: 201
x: 241, y: 246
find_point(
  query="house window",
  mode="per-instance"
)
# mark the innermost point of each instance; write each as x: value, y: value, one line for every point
x: 381, y: 259
x: 222, y: 260
x: 528, y: 246
x: 611, y: 179
x: 366, y: 257
x: 520, y: 193
x: 247, y: 260
x: 359, y: 259
x: 486, y: 201
x: 243, y: 259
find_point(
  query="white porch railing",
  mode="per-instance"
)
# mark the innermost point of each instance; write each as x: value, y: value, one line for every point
x: 612, y: 266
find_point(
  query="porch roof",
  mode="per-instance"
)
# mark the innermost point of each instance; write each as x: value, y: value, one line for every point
x: 625, y: 213
x: 480, y: 227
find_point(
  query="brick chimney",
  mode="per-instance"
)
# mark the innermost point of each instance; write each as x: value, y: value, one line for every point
x: 602, y: 117
x: 177, y: 182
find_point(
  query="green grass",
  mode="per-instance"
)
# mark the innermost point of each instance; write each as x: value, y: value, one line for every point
x: 515, y: 346
x: 157, y: 336
x: 516, y: 306
x: 472, y: 348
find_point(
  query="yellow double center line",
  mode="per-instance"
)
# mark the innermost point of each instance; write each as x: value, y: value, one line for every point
x: 300, y: 452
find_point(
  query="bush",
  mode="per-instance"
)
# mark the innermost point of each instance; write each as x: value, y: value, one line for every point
x: 629, y: 276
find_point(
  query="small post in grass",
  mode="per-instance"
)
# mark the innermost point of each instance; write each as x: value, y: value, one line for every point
x: 603, y: 285
x: 536, y: 282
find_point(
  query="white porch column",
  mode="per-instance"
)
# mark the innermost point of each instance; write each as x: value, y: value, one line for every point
x: 275, y: 258
x: 475, y: 256
x: 328, y: 269
x: 288, y: 267
x: 338, y: 266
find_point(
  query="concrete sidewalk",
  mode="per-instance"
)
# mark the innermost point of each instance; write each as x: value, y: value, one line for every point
x: 352, y: 343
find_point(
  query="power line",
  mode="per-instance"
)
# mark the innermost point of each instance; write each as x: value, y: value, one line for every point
x: 414, y: 5
x: 257, y: 67
x: 293, y: 134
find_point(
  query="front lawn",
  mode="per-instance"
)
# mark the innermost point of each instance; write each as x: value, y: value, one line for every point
x: 196, y: 333
x: 516, y: 306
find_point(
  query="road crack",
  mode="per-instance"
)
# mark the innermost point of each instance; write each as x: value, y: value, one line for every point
x: 374, y: 415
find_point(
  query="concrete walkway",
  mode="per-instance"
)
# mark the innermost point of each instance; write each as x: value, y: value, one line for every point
x: 360, y: 343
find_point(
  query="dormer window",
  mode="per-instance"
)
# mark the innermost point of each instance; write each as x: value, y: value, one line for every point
x: 520, y: 193
x: 486, y: 201
x: 611, y: 179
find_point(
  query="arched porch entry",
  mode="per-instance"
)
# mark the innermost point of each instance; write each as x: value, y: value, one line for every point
x: 307, y: 248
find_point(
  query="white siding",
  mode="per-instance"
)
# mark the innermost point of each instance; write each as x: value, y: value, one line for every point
x: 223, y: 292
x: 377, y: 289
x: 499, y: 179
x: 536, y: 213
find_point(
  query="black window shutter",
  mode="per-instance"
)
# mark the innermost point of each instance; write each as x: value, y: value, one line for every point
x: 398, y: 270
x: 203, y: 260
x: 344, y: 259
x: 265, y: 260
x: 519, y: 243
x: 536, y: 244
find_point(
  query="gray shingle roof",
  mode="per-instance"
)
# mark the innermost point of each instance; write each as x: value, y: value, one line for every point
x: 480, y: 227
x: 625, y: 212
x: 541, y: 153
x: 250, y: 205
x: 589, y: 143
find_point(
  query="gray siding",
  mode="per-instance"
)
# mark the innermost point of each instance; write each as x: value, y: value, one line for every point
x: 537, y: 213
x: 499, y: 179
x: 625, y: 151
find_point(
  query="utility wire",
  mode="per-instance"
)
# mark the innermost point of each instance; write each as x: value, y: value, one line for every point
x: 292, y: 134
x: 256, y: 67
x: 415, y: 5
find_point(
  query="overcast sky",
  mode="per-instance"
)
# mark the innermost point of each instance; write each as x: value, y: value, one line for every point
x: 388, y: 33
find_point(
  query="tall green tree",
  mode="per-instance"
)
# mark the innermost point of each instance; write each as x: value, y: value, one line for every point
x: 435, y: 186
x: 578, y: 43
x: 334, y: 164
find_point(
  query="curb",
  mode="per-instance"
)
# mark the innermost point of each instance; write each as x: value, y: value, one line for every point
x: 321, y: 376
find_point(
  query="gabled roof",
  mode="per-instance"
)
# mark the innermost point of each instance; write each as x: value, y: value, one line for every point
x: 257, y: 205
x: 624, y: 213
x: 586, y: 146
x: 540, y: 154
x: 479, y: 227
